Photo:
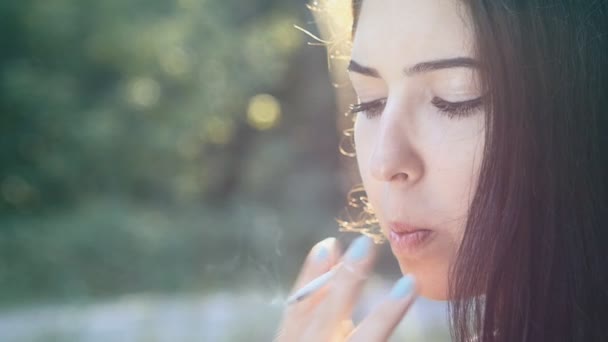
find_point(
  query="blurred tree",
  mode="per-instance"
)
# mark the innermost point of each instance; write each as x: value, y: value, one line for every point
x: 135, y: 136
x: 146, y: 98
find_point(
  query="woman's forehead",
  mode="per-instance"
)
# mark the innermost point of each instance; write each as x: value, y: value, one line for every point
x: 397, y: 33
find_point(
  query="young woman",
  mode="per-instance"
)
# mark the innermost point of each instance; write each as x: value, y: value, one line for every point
x: 482, y: 143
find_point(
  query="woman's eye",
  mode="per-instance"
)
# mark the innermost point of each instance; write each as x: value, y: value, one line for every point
x: 451, y: 109
x: 457, y: 109
x: 371, y: 108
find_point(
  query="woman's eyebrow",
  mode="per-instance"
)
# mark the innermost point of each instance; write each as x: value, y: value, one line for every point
x: 363, y: 70
x: 457, y: 62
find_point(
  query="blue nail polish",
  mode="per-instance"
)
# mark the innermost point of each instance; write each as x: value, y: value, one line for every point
x: 323, y: 249
x: 359, y: 248
x: 402, y: 288
x: 322, y: 253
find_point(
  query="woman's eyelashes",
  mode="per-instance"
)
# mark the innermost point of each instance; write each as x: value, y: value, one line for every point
x: 457, y: 109
x: 371, y: 108
x: 374, y: 108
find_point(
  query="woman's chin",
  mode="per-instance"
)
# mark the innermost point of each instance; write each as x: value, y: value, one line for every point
x: 429, y: 283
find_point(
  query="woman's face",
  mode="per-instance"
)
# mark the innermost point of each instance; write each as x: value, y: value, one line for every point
x: 418, y: 152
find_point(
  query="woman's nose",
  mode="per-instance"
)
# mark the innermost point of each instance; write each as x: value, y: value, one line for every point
x: 394, y: 157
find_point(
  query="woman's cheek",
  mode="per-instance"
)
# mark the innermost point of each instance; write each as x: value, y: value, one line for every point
x: 363, y: 146
x: 365, y: 142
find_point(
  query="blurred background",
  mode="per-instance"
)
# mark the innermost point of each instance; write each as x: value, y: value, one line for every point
x: 165, y: 167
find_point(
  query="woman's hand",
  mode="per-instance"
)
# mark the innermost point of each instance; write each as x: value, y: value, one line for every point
x: 325, y: 315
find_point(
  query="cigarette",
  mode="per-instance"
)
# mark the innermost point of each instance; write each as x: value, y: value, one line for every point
x: 310, y: 288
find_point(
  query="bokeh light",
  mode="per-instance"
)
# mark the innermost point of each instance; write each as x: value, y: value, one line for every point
x: 175, y: 61
x: 263, y: 112
x: 143, y: 92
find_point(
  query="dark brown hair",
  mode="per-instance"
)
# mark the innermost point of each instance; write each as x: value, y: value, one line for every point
x: 533, y: 263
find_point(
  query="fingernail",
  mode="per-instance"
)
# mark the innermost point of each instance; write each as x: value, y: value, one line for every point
x: 321, y: 254
x: 359, y: 248
x: 403, y: 287
x: 323, y: 249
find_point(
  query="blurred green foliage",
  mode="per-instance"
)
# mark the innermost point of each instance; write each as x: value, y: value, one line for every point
x: 137, y: 154
x: 129, y: 96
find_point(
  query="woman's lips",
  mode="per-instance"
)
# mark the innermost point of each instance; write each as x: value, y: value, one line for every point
x: 408, y: 240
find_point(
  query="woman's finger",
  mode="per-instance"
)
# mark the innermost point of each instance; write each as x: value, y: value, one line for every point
x: 320, y: 259
x: 380, y: 324
x: 344, y: 289
x: 346, y: 328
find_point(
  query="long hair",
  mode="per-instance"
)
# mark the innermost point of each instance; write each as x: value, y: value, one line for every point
x: 533, y: 263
